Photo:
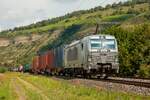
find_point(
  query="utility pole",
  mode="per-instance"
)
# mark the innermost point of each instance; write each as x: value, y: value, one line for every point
x: 97, y: 25
x: 97, y: 28
x: 149, y: 4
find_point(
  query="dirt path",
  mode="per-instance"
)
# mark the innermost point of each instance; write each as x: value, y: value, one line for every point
x: 18, y: 89
x: 1, y: 76
x: 32, y: 87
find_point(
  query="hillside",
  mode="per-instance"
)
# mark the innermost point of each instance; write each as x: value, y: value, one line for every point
x: 121, y: 20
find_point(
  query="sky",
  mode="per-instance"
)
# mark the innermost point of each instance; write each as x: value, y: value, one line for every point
x: 14, y: 13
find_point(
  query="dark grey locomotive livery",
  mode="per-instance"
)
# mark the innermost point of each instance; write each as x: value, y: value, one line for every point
x: 93, y: 55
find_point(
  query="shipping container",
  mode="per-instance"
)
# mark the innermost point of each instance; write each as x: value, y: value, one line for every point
x: 49, y: 61
x: 35, y: 64
x: 42, y: 62
x: 59, y: 57
x: 26, y: 68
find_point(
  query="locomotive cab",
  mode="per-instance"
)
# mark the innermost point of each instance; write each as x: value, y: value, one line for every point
x: 103, y: 54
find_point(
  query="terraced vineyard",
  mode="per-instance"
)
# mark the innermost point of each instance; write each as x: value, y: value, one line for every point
x: 22, y: 53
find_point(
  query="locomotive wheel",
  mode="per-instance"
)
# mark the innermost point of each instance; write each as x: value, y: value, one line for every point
x: 105, y: 76
x: 88, y: 76
x: 98, y: 77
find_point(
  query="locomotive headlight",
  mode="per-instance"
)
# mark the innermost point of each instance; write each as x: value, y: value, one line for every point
x: 90, y: 59
x: 89, y: 67
x: 116, y: 60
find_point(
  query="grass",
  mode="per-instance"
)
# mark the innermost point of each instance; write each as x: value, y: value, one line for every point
x: 30, y: 94
x: 122, y: 17
x: 61, y: 89
x: 6, y: 90
x: 46, y: 88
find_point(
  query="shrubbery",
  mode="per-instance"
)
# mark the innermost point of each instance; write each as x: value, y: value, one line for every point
x: 3, y: 69
x: 134, y: 50
x: 144, y: 71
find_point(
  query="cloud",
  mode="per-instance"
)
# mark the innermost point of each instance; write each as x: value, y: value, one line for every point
x: 65, y: 1
x: 23, y: 12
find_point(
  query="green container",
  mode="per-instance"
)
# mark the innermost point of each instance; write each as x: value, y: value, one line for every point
x: 26, y: 68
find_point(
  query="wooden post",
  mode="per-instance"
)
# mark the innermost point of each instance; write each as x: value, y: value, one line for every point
x: 97, y: 28
x: 149, y: 4
x: 98, y: 21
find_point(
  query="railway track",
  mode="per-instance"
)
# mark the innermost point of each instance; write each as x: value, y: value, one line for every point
x: 125, y: 85
x: 127, y: 81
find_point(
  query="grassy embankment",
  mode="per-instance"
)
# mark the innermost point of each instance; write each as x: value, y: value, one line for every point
x: 14, y: 86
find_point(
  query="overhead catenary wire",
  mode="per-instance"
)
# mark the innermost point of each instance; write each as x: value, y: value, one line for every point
x: 98, y: 20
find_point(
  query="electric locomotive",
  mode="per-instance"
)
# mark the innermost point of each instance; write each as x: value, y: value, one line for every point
x: 95, y: 55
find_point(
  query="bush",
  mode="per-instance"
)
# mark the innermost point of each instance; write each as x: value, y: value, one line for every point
x: 133, y: 11
x: 3, y: 69
x: 133, y: 50
x: 144, y: 71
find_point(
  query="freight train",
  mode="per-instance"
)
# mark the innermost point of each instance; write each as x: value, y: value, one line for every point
x: 95, y: 55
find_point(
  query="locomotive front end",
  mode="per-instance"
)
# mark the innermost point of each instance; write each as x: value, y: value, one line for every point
x: 103, y: 54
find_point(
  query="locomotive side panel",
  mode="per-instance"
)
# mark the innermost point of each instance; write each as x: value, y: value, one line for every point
x: 73, y: 56
x: 84, y: 52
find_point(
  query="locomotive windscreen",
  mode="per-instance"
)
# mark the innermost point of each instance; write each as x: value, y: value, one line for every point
x: 104, y: 43
x: 96, y: 43
x: 109, y: 44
